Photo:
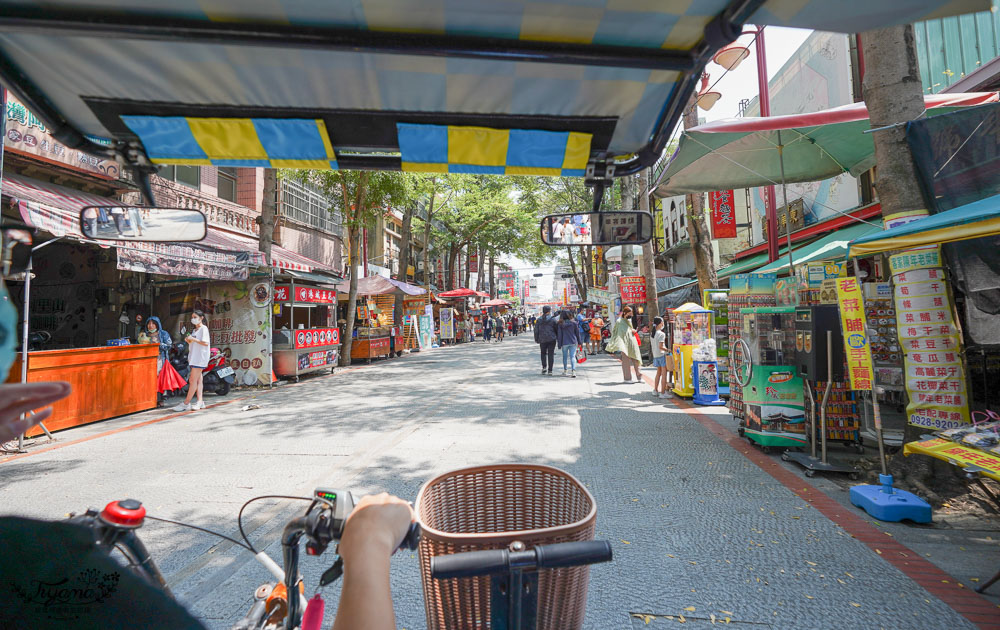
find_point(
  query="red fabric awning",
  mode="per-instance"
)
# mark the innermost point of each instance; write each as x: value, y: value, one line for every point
x: 844, y: 113
x: 462, y: 293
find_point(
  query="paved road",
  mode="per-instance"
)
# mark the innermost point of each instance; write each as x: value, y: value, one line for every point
x: 697, y: 528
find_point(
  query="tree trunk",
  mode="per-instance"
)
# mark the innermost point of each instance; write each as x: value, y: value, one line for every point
x: 268, y: 211
x: 354, y: 245
x: 648, y: 268
x: 581, y: 288
x: 493, y: 282
x: 355, y: 211
x: 698, y: 231
x: 893, y: 94
x: 468, y: 267
x: 404, y: 262
x: 452, y: 279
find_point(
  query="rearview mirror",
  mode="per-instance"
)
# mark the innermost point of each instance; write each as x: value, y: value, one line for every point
x: 597, y: 228
x: 141, y: 224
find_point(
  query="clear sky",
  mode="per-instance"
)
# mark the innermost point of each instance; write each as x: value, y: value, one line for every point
x: 738, y: 84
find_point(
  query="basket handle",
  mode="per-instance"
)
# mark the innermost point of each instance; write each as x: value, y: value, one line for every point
x: 473, y: 563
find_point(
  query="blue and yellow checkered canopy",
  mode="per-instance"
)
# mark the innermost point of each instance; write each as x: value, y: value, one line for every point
x: 490, y: 86
x: 271, y: 143
x: 450, y: 149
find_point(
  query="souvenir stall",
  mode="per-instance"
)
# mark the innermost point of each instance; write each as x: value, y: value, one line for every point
x: 306, y: 337
x: 373, y: 323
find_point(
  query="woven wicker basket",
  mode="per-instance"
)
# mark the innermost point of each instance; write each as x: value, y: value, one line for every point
x: 488, y: 507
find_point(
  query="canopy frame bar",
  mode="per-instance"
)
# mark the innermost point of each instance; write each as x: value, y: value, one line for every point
x: 721, y: 30
x: 75, y: 23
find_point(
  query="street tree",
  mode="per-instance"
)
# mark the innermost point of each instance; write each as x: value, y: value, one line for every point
x: 893, y: 94
x: 361, y: 197
x: 698, y: 231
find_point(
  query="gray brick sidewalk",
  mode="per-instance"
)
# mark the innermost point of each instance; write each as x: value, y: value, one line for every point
x: 698, y: 530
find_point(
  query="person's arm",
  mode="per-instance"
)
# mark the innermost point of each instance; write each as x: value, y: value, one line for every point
x: 199, y: 341
x: 373, y: 531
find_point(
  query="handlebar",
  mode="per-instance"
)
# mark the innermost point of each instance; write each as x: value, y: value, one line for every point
x: 473, y: 563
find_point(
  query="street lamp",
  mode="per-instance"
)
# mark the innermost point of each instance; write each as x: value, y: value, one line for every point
x: 707, y: 98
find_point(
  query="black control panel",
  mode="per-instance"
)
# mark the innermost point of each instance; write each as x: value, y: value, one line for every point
x: 811, y: 325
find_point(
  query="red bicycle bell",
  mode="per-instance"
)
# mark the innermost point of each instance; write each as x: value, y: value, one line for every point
x: 127, y: 513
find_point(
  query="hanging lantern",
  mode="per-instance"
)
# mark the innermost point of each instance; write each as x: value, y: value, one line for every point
x: 731, y: 56
x: 708, y: 99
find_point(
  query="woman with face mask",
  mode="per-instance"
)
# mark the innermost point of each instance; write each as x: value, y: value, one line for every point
x: 198, y: 353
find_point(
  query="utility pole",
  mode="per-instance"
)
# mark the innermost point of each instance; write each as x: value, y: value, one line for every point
x: 648, y: 268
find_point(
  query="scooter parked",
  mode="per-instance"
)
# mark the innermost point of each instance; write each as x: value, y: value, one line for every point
x: 217, y: 375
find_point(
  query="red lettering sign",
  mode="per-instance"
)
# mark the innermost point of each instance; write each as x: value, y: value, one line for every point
x: 723, y: 214
x: 315, y: 337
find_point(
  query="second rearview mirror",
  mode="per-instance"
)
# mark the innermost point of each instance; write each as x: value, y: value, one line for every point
x: 597, y: 228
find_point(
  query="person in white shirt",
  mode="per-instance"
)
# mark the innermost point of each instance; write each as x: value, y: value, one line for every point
x: 659, y: 347
x: 198, y: 353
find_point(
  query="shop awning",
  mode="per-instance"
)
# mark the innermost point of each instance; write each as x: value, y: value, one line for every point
x: 461, y: 293
x: 318, y: 278
x: 830, y: 247
x: 744, y: 266
x: 380, y: 285
x: 495, y: 302
x: 743, y: 152
x: 974, y: 220
x: 541, y: 88
x: 50, y: 207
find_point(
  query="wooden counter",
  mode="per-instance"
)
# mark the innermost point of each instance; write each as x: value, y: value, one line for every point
x: 107, y: 382
x: 370, y: 348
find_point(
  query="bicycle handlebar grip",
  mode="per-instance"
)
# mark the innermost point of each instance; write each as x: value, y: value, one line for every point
x: 573, y: 554
x: 469, y: 564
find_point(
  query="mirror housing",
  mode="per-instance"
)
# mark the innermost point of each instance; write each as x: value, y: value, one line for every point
x: 597, y: 228
x: 143, y: 224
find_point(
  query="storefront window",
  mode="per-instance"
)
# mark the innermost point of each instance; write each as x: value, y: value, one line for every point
x: 227, y: 183
x: 187, y: 175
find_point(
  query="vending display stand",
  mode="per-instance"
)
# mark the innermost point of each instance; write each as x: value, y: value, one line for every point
x: 772, y: 388
x: 690, y: 325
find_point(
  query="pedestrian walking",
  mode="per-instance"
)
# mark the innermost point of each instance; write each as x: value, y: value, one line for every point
x: 568, y: 337
x: 596, y: 328
x: 118, y: 214
x: 198, y: 353
x: 487, y: 328
x: 584, y: 326
x: 546, y: 335
x: 624, y: 340
x: 498, y: 330
x: 659, y: 344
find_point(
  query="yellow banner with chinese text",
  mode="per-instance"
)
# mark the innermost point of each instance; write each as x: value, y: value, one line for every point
x: 852, y: 321
x: 958, y: 453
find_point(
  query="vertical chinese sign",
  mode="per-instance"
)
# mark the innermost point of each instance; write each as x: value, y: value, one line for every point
x: 632, y: 289
x: 723, y: 214
x: 928, y: 337
x: 447, y: 323
x: 852, y: 321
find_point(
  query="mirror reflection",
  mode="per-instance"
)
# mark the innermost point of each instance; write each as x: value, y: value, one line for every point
x: 142, y: 224
x: 597, y: 228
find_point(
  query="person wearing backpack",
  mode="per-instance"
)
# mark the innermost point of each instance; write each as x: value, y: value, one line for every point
x: 546, y: 335
x: 568, y: 337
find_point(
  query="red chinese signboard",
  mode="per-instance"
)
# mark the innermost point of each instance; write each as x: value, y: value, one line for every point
x: 474, y: 262
x: 723, y: 214
x: 308, y: 295
x: 633, y: 289
x: 315, y: 337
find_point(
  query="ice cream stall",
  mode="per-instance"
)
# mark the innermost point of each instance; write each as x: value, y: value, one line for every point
x: 690, y: 327
x: 306, y: 337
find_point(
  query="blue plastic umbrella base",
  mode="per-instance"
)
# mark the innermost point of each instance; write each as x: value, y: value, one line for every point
x: 890, y: 504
